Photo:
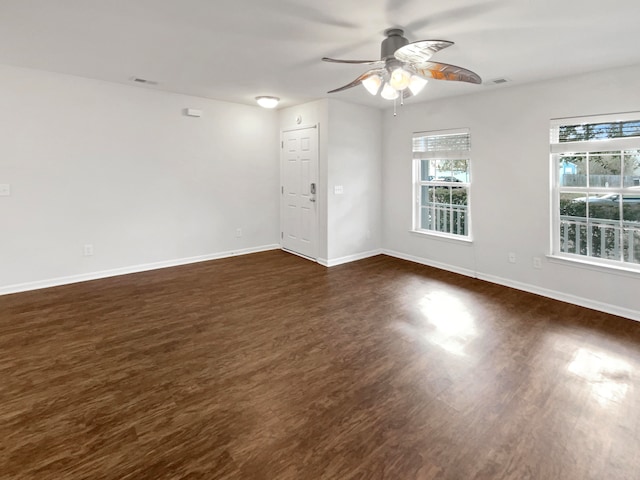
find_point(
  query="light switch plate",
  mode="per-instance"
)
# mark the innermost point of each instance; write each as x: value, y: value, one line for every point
x: 5, y: 189
x: 338, y: 189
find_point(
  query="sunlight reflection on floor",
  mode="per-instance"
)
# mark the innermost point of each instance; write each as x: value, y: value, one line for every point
x: 445, y: 322
x: 453, y: 325
x: 609, y: 377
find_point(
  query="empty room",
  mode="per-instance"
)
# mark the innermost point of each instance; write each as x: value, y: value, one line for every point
x: 286, y: 239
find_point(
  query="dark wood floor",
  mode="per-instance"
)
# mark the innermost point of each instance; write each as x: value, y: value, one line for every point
x: 268, y: 366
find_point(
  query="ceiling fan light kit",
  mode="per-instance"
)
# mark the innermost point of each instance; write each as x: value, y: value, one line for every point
x: 389, y: 93
x: 404, y: 68
x: 416, y: 84
x: 372, y: 84
x: 399, y: 79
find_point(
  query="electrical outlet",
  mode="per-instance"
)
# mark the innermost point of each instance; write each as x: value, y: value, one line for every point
x: 537, y: 262
x: 88, y: 250
x: 512, y: 257
x: 238, y: 232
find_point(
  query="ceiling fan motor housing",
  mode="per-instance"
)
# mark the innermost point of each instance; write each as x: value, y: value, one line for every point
x: 393, y: 42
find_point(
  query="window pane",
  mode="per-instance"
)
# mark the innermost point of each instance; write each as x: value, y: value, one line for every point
x: 444, y: 170
x: 605, y: 206
x: 573, y: 170
x: 441, y: 143
x: 631, y: 244
x: 573, y: 236
x: 631, y: 168
x: 598, y: 131
x: 573, y: 221
x: 631, y: 208
x: 427, y: 170
x: 459, y: 195
x: 459, y: 210
x: 631, y: 224
x: 425, y: 219
x: 426, y: 195
x: 603, y: 229
x: 426, y: 207
x: 573, y: 204
x: 460, y: 170
x: 442, y: 195
x: 603, y: 239
x: 605, y: 169
x: 572, y: 133
x: 435, y: 211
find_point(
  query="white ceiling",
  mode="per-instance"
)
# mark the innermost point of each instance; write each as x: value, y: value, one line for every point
x: 234, y: 50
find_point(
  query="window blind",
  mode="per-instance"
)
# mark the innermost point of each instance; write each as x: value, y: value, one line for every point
x: 455, y: 144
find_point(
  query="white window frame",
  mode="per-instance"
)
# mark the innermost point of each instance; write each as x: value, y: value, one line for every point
x: 586, y: 147
x: 418, y: 183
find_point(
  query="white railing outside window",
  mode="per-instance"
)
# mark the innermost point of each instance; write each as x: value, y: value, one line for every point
x: 607, y: 239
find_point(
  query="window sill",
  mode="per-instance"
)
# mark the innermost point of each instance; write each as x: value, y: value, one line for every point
x: 595, y: 266
x: 443, y: 237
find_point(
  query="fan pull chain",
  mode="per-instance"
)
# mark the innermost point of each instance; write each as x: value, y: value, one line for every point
x: 394, y: 108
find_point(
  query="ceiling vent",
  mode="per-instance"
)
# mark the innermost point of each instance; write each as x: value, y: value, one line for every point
x: 499, y: 81
x: 143, y: 80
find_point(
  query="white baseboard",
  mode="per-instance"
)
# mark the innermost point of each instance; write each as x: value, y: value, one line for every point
x: 297, y: 254
x: 564, y: 297
x: 525, y: 287
x: 430, y: 263
x: 55, y: 282
x: 349, y: 258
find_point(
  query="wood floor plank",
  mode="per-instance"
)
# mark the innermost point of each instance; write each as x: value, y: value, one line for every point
x: 268, y: 366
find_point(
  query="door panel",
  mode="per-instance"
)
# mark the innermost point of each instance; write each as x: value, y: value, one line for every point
x: 299, y: 206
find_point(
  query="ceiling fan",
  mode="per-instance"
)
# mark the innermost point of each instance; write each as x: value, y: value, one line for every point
x: 404, y: 68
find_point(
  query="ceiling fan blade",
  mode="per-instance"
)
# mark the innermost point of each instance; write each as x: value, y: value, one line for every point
x: 358, y: 81
x: 421, y: 51
x: 444, y: 71
x: 366, y: 62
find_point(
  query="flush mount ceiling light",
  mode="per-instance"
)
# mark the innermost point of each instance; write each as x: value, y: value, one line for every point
x: 267, y: 102
x: 404, y: 68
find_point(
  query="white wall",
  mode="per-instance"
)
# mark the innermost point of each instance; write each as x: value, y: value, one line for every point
x: 122, y: 168
x: 350, y: 146
x: 354, y: 162
x: 510, y: 190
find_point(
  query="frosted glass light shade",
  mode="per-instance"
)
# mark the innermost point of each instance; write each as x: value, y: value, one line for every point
x: 388, y: 92
x: 416, y: 84
x: 400, y: 79
x: 268, y: 102
x: 372, y: 84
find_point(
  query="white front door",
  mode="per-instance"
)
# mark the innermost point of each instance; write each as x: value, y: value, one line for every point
x: 299, y: 206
